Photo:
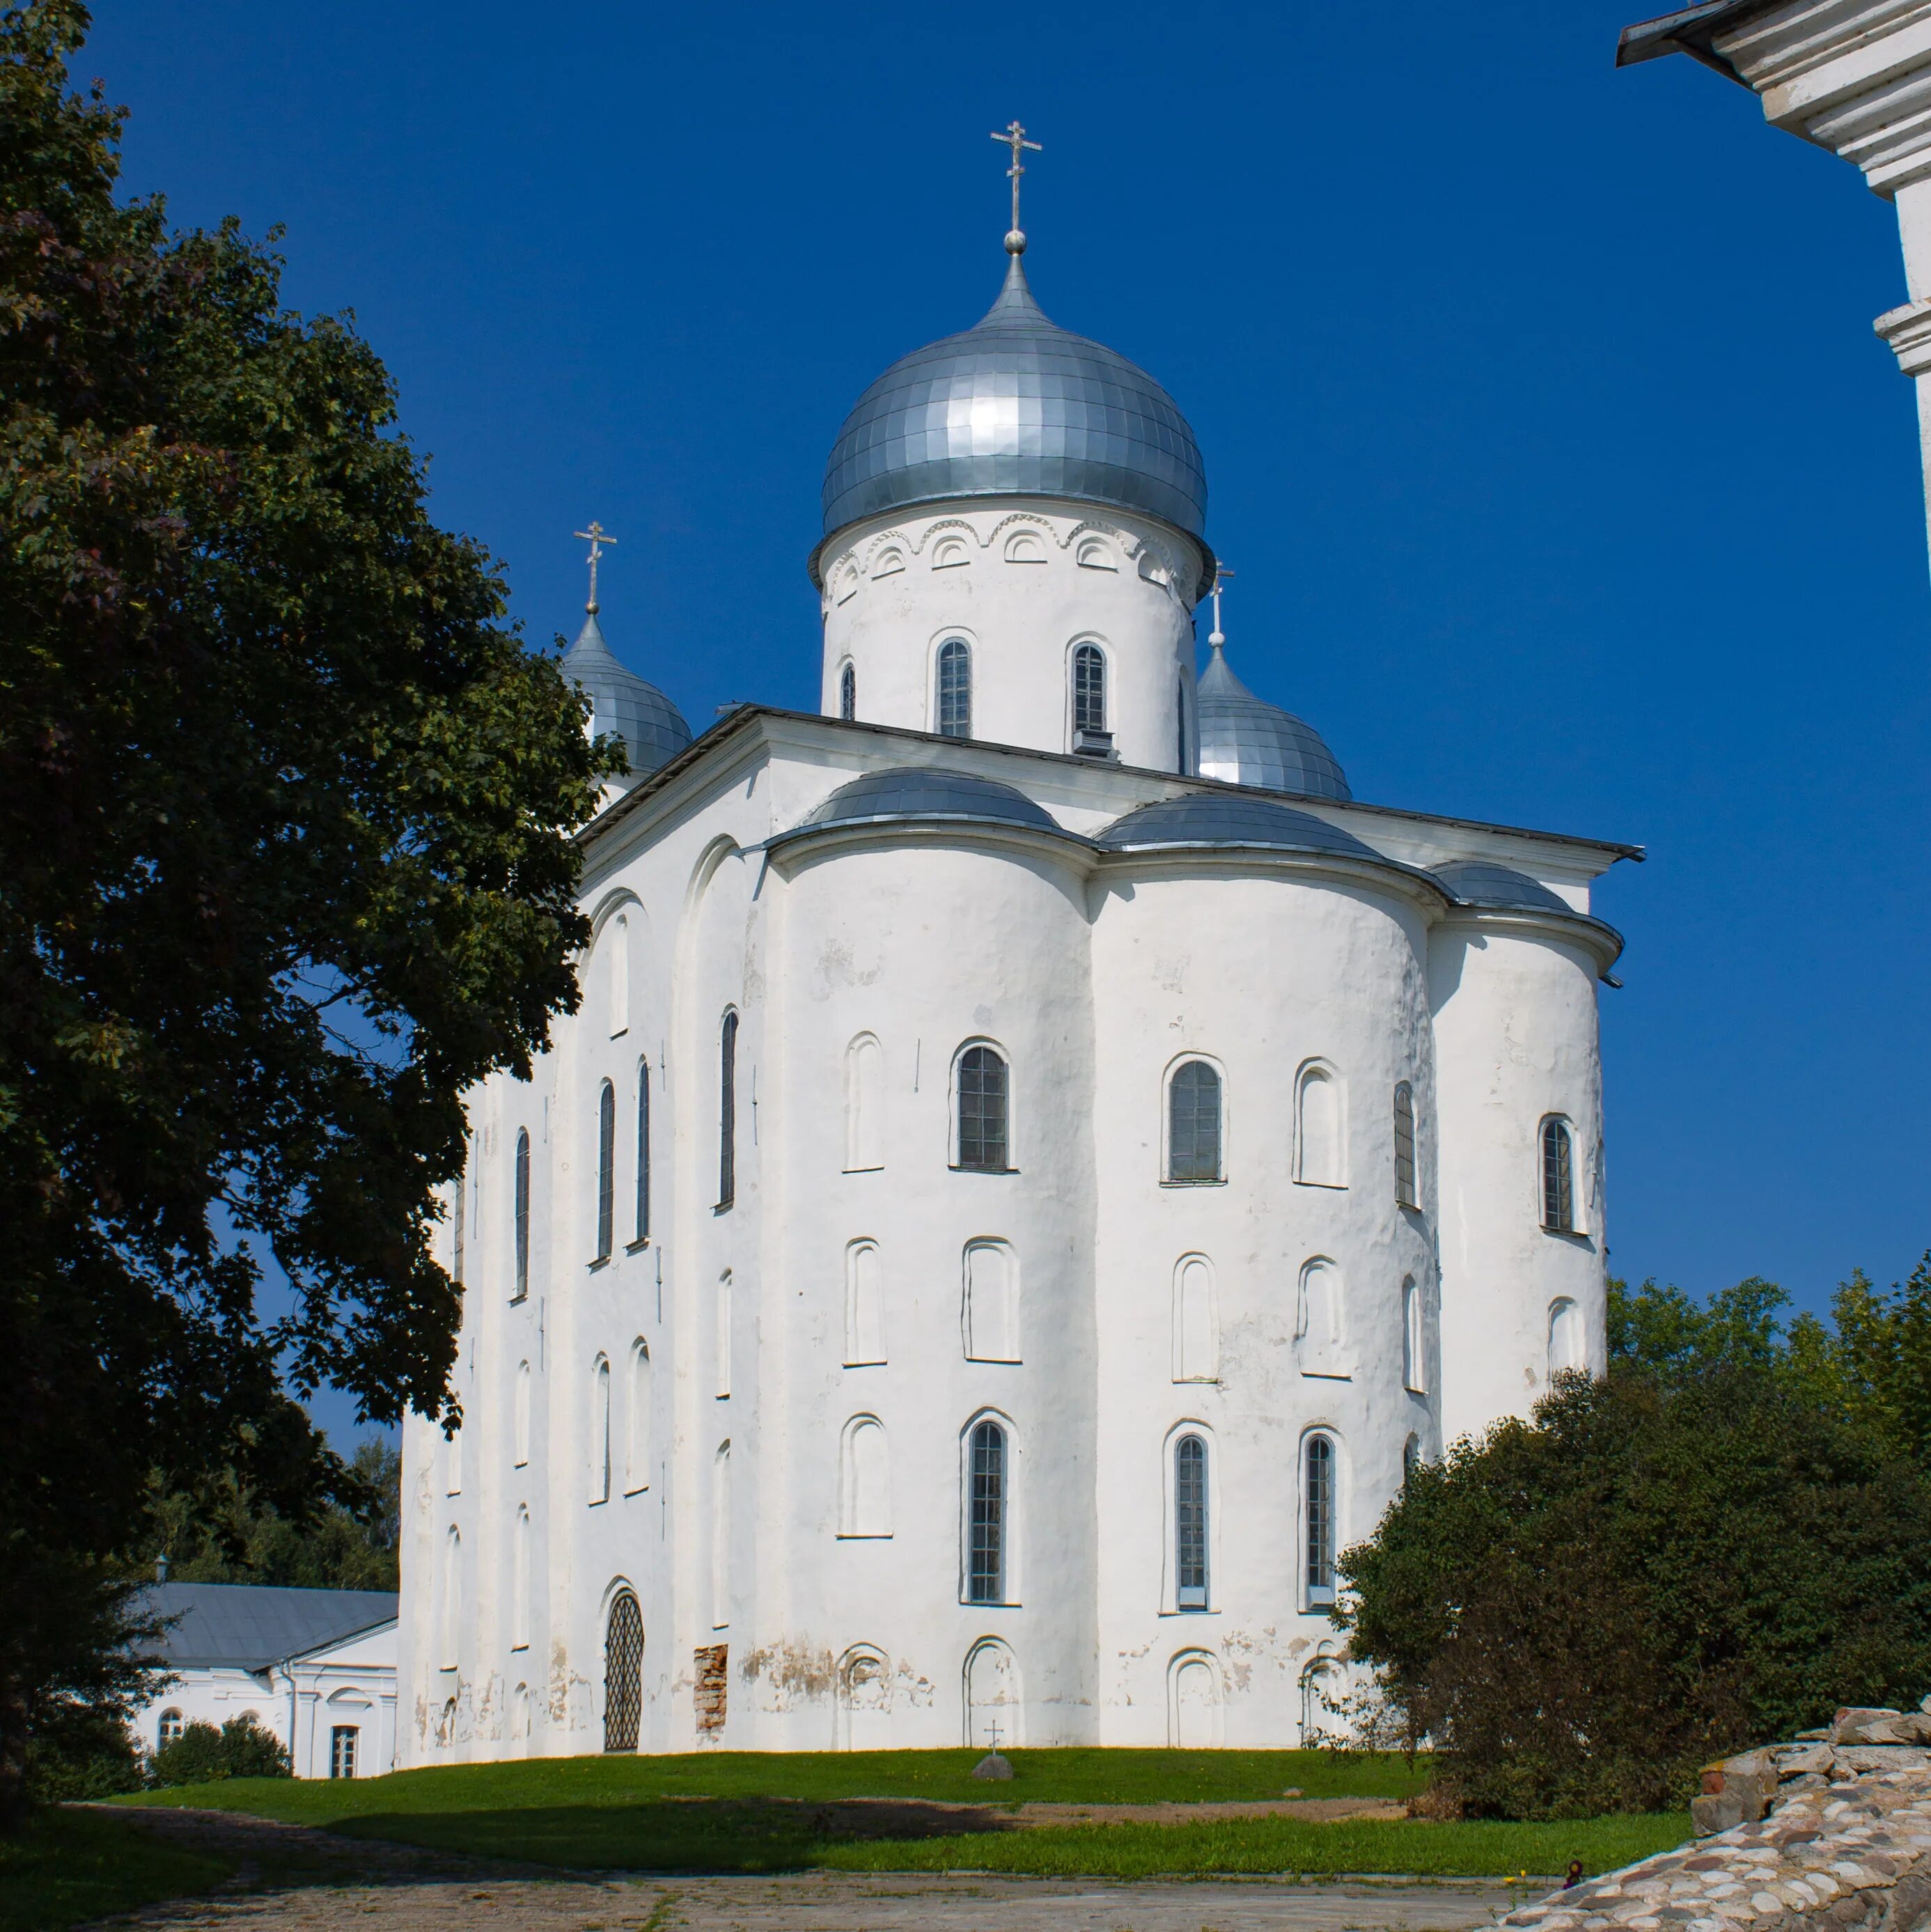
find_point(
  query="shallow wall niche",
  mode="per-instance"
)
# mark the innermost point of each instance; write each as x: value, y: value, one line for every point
x: 1195, y: 1712
x: 1318, y: 1145
x: 864, y: 1101
x: 865, y: 1306
x: 1565, y: 1344
x: 864, y: 1479
x: 993, y: 1704
x: 1320, y: 1328
x: 991, y: 1303
x: 637, y: 1420
x: 1196, y: 1323
x: 865, y: 1699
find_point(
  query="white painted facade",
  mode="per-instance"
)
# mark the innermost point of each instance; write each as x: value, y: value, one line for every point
x: 757, y: 1418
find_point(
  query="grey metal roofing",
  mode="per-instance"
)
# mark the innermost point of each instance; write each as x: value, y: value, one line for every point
x: 1213, y: 818
x: 1245, y: 740
x: 652, y: 728
x: 1477, y: 882
x: 1691, y: 32
x: 249, y: 1626
x: 1016, y: 406
x: 927, y: 792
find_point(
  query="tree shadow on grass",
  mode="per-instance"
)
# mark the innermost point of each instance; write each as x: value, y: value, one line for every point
x: 681, y: 1835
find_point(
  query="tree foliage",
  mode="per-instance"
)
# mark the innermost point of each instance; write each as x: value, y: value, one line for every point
x: 286, y: 864
x: 1718, y: 1544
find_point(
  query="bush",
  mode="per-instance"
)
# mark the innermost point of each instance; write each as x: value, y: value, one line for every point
x: 202, y: 1755
x: 94, y: 1755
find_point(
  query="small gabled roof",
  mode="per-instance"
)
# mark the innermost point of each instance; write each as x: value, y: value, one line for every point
x: 250, y: 1626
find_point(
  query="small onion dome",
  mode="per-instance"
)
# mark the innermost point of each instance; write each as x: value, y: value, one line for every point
x: 1245, y: 740
x: 921, y: 792
x: 651, y: 728
x: 1214, y: 819
x: 1016, y: 406
x: 1476, y: 882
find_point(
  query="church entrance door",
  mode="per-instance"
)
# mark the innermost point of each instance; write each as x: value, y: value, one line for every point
x: 623, y: 1674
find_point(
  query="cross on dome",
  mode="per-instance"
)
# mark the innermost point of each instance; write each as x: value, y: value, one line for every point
x: 1015, y: 138
x: 1217, y: 637
x: 596, y: 536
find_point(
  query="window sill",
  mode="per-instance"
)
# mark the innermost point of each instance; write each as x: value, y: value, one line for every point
x: 637, y: 1246
x: 642, y: 1490
x: 877, y: 1167
x: 957, y: 1168
x: 865, y: 1536
x: 596, y: 1502
x: 1578, y: 1235
x: 1328, y: 1374
x: 999, y: 1361
x: 1332, y: 1187
x: 869, y: 1362
x: 723, y: 1206
x: 987, y: 1603
x: 517, y: 1301
x: 1220, y: 1181
x: 517, y: 1649
x: 597, y: 1266
x: 521, y: 1462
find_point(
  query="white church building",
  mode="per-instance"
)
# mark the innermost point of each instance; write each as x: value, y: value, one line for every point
x: 1036, y: 1159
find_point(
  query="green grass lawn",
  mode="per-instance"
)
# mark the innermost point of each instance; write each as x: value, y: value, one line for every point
x: 69, y: 1867
x: 759, y: 1812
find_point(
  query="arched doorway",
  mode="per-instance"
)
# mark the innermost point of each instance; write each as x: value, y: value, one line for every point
x: 623, y: 1673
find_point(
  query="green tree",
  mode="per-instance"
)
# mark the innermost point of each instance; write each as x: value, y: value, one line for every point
x: 286, y: 863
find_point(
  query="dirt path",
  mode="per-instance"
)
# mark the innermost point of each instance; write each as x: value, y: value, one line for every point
x: 296, y: 1879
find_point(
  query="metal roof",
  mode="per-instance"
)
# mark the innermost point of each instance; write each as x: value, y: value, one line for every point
x: 929, y: 792
x: 1016, y: 406
x: 1691, y: 32
x: 249, y: 1626
x: 1245, y: 740
x: 1214, y: 819
x: 652, y: 728
x: 1475, y: 882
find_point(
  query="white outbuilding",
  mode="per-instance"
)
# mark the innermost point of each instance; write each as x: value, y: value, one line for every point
x: 1036, y: 1160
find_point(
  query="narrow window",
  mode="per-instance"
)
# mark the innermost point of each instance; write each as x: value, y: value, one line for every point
x: 864, y: 1084
x: 1405, y: 1196
x: 727, y: 1111
x: 461, y: 1232
x: 600, y: 1433
x: 864, y: 1312
x: 955, y: 688
x: 520, y: 1582
x: 606, y: 1169
x: 985, y: 1573
x: 1190, y: 1521
x: 1088, y: 689
x: 982, y: 1087
x: 636, y: 1422
x: 1411, y: 1459
x: 1320, y: 1513
x: 342, y: 1751
x: 848, y: 694
x: 1193, y: 1123
x: 522, y: 1212
x: 623, y: 1673
x: 522, y: 1416
x: 1558, y: 1180
x: 643, y: 1151
x: 1180, y: 727
x: 1414, y: 1372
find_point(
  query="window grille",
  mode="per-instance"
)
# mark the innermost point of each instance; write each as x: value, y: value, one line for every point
x: 606, y: 1169
x: 1089, y: 689
x: 1558, y: 1185
x: 727, y: 1112
x: 171, y: 1728
x: 522, y: 1212
x: 985, y: 1576
x: 643, y: 1151
x: 623, y: 1674
x: 1190, y: 1523
x: 1193, y: 1123
x: 342, y: 1751
x: 982, y: 1097
x: 1319, y: 1520
x: 1405, y: 1196
x: 955, y: 688
x: 848, y: 694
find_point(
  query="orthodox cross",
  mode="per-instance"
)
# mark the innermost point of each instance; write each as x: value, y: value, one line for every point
x: 1015, y: 138
x: 1221, y: 574
x: 596, y: 536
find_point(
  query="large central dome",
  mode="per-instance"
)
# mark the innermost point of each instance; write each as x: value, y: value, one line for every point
x: 1016, y: 406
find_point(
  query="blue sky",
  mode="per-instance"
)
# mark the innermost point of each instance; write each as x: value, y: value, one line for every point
x: 1567, y: 484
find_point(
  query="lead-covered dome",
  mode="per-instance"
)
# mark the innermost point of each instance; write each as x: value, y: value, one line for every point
x: 928, y: 792
x: 1245, y: 740
x: 1217, y: 819
x: 1016, y: 406
x: 651, y: 728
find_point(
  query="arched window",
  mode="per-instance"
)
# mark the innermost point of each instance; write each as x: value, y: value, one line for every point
x: 1558, y: 1178
x: 1414, y: 1339
x: 865, y: 1480
x: 643, y: 1151
x: 606, y: 1170
x: 623, y: 1673
x: 523, y: 1571
x: 1193, y: 1123
x: 864, y: 1100
x: 636, y: 1421
x: 1565, y: 1336
x: 522, y: 1414
x: 600, y: 1431
x: 848, y: 694
x: 1317, y: 1129
x: 727, y: 1110
x: 1405, y: 1196
x: 982, y: 1086
x: 171, y: 1728
x: 1088, y: 690
x: 1190, y: 1523
x: 991, y: 1303
x: 1318, y: 1511
x: 985, y: 1545
x: 955, y: 693
x: 1196, y: 1325
x: 864, y: 1311
x: 522, y: 1212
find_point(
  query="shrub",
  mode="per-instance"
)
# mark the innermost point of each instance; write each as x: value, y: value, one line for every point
x: 202, y: 1755
x: 94, y: 1755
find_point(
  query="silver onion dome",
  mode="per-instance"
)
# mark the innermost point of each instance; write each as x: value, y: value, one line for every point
x: 1245, y: 740
x: 651, y: 728
x: 1016, y: 406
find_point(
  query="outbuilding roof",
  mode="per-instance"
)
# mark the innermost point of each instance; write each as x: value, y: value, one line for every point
x: 250, y: 1626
